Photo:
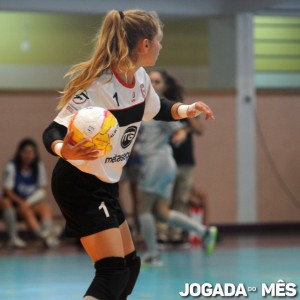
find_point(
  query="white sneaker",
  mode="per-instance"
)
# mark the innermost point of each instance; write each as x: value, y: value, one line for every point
x: 17, y: 243
x: 51, y: 242
x: 56, y: 230
x: 209, y: 239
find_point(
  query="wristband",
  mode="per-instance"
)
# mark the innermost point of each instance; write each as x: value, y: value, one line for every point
x: 57, y: 149
x: 183, y: 110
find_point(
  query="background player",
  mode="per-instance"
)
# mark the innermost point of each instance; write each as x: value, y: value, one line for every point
x: 167, y: 86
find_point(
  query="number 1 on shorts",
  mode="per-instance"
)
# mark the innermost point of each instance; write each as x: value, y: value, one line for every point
x: 102, y: 206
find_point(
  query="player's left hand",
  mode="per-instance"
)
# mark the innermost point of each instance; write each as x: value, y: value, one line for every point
x: 199, y: 107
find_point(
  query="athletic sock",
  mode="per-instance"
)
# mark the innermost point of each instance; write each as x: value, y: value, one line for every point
x: 148, y: 231
x: 181, y: 220
x: 10, y: 219
x: 47, y: 225
x: 40, y: 233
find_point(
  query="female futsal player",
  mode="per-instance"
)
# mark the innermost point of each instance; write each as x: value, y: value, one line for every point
x: 112, y: 78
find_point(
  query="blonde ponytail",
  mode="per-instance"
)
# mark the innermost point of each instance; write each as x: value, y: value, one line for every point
x: 115, y: 46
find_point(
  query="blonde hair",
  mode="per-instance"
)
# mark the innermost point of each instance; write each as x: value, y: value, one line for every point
x: 115, y: 46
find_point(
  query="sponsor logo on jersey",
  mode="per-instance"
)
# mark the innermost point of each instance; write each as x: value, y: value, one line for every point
x: 80, y: 97
x: 142, y: 87
x: 128, y: 136
x: 133, y: 97
x: 70, y: 108
x: 117, y: 158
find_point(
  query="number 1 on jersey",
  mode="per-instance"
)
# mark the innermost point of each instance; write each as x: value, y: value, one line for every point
x: 115, y: 96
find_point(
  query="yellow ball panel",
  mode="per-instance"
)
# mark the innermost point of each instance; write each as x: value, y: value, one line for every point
x: 108, y: 123
x: 102, y: 142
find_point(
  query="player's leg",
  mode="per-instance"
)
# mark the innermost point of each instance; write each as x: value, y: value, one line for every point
x: 29, y: 217
x: 133, y: 186
x: 155, y: 175
x: 132, y: 261
x: 43, y: 211
x: 178, y: 219
x: 31, y: 220
x: 148, y: 227
x: 106, y: 251
x: 50, y: 232
x: 89, y: 207
x: 180, y: 197
x: 11, y: 223
x: 182, y: 189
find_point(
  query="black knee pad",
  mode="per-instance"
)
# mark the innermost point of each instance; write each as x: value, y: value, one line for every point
x: 110, y: 280
x: 133, y: 263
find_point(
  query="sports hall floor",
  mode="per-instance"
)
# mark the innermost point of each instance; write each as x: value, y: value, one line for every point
x: 65, y: 273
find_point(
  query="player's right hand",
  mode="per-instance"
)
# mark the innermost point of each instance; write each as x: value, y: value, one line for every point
x: 78, y: 151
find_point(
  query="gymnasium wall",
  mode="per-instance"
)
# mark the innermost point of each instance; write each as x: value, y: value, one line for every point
x: 278, y: 162
x: 37, y: 50
x: 27, y: 113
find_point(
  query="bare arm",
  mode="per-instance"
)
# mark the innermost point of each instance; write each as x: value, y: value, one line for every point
x: 14, y: 197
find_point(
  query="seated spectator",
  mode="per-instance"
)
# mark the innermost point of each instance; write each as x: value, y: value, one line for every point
x: 24, y: 195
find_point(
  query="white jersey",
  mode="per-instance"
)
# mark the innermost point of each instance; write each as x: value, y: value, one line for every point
x: 130, y: 104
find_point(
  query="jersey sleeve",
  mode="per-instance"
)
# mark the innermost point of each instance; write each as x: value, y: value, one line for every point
x: 80, y: 100
x: 9, y: 176
x: 53, y: 133
x: 165, y: 112
x: 152, y: 101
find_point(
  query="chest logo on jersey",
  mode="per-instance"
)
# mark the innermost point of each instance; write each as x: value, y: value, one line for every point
x: 128, y: 136
x: 80, y: 97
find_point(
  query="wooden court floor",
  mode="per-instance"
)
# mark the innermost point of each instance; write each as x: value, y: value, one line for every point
x: 249, y: 262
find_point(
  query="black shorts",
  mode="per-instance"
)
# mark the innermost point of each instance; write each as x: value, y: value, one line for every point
x: 88, y: 204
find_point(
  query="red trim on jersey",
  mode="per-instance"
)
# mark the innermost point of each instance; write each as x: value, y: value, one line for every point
x: 130, y: 86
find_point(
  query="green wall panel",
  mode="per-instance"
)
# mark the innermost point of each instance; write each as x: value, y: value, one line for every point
x: 277, y: 33
x: 185, y: 43
x: 54, y: 39
x: 62, y: 40
x: 68, y: 39
x: 282, y: 21
x: 277, y: 44
x: 277, y: 64
x: 276, y: 48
